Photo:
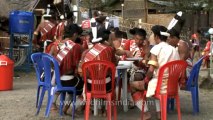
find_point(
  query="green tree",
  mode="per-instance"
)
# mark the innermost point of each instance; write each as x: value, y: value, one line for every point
x: 93, y: 4
x: 191, y: 5
x: 106, y: 6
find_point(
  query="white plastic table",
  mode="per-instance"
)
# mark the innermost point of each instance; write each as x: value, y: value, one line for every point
x: 123, y: 70
x: 122, y: 67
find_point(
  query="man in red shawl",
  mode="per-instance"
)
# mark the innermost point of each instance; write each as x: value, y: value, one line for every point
x: 46, y: 30
x: 184, y: 47
x: 100, y: 51
x: 59, y: 32
x: 66, y: 20
x: 138, y: 49
x: 68, y: 54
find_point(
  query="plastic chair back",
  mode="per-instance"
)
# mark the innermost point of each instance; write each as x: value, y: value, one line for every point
x: 51, y: 63
x: 38, y: 65
x: 39, y: 68
x: 194, y: 74
x: 174, y: 70
x: 97, y: 71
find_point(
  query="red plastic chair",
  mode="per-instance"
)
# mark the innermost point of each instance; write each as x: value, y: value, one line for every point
x: 175, y: 69
x: 97, y: 71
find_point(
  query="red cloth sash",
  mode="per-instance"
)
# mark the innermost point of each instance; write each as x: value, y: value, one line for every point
x: 137, y: 96
x: 48, y: 48
x: 94, y: 52
x: 136, y: 51
x: 130, y: 45
x: 133, y: 45
x: 69, y: 56
x: 65, y: 48
x: 59, y: 30
x: 123, y: 42
x: 127, y: 45
x: 48, y: 31
x: 100, y: 52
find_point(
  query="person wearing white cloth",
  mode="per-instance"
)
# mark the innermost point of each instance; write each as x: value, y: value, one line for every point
x: 161, y: 53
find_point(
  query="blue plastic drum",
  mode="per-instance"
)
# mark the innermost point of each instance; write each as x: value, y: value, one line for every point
x: 21, y: 22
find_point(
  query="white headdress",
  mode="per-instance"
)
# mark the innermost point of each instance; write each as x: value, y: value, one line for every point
x: 106, y: 22
x: 210, y: 31
x: 174, y: 20
x: 94, y: 31
x: 48, y: 12
x: 175, y: 26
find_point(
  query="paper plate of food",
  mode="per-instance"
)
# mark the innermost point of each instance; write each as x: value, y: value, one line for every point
x: 134, y: 58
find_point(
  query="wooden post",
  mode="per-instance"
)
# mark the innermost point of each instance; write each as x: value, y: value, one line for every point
x: 145, y: 11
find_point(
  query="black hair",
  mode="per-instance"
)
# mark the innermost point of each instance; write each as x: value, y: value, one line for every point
x: 133, y: 30
x: 80, y: 30
x: 111, y: 28
x: 125, y: 35
x: 104, y: 34
x: 78, y: 40
x: 118, y: 34
x: 70, y: 29
x: 116, y: 29
x: 174, y: 33
x: 91, y: 36
x: 141, y: 32
x: 100, y: 19
x: 199, y: 31
x: 69, y: 15
x: 95, y: 13
x: 157, y: 29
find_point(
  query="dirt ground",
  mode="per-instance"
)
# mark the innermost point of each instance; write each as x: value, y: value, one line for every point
x: 19, y: 104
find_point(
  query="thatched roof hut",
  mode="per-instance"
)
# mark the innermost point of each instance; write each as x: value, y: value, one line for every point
x: 37, y: 6
x: 8, y: 5
x: 28, y: 5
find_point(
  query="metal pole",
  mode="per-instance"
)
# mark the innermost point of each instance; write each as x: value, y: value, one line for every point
x: 78, y: 11
x: 122, y: 12
x: 90, y: 10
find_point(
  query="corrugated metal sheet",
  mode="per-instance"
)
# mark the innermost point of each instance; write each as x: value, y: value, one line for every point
x: 133, y: 8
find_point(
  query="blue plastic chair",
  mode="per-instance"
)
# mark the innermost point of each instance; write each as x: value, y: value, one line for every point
x: 192, y: 86
x: 39, y: 67
x: 49, y: 62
